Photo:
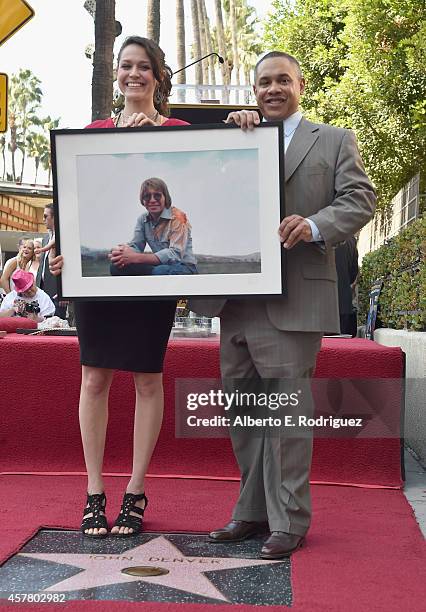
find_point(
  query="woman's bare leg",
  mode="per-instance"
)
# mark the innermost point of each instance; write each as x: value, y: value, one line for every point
x: 93, y: 413
x: 148, y: 419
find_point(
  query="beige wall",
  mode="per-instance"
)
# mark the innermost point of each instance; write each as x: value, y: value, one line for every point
x: 405, y: 209
x: 19, y: 216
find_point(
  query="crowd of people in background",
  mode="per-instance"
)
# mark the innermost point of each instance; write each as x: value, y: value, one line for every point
x: 26, y: 259
x: 32, y: 259
x: 19, y: 293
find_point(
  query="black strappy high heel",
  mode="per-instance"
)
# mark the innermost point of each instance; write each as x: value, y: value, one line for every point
x: 125, y: 519
x: 95, y: 506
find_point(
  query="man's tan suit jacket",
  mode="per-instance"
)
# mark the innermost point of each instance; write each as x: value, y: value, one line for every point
x: 326, y: 181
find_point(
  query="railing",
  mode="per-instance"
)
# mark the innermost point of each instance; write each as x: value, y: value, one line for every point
x: 213, y: 94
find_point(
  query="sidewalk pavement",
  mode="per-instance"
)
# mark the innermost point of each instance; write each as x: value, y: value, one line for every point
x: 415, y: 488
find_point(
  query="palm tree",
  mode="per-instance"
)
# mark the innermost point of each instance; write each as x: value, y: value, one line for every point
x: 12, y: 144
x: 37, y: 147
x: 49, y: 124
x: 203, y: 42
x: 249, y: 53
x: 240, y: 35
x: 220, y: 35
x: 153, y: 20
x: 234, y: 36
x: 197, y: 42
x: 25, y: 99
x: 209, y: 48
x: 3, y: 149
x: 248, y: 45
x: 25, y: 125
x: 46, y: 162
x: 180, y: 46
x: 15, y: 142
x: 102, y: 64
x: 45, y: 159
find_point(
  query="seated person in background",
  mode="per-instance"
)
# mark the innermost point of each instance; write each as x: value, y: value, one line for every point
x: 26, y: 300
x: 165, y: 229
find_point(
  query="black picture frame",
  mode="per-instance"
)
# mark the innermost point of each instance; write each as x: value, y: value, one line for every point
x: 228, y: 183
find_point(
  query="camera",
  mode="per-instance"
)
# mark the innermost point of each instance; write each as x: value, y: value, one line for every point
x: 24, y: 308
x: 32, y: 307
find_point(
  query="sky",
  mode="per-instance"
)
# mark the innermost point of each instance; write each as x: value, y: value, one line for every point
x: 52, y: 46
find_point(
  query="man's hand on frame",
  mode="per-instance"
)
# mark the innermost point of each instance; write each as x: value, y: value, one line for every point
x: 293, y: 229
x: 245, y: 119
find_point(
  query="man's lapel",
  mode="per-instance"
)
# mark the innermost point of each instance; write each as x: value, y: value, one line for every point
x: 303, y: 140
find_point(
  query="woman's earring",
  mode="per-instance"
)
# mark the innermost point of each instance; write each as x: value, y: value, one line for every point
x: 157, y: 96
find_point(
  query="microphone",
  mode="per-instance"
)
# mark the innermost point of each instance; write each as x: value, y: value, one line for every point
x: 221, y: 61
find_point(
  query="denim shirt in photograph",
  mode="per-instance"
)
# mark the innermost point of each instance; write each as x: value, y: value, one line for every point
x: 169, y: 237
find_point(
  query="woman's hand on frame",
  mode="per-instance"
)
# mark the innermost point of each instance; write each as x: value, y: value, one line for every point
x: 139, y: 120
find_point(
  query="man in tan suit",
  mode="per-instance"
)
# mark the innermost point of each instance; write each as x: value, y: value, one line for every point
x: 328, y: 198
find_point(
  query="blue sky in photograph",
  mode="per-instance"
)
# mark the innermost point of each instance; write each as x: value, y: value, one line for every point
x: 109, y: 187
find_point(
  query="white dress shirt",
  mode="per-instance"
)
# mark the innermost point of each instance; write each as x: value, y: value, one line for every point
x: 290, y: 126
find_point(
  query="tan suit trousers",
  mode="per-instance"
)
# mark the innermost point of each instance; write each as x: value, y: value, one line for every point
x: 274, y: 464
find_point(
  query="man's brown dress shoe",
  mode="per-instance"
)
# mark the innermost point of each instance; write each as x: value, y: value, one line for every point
x: 281, y: 544
x: 237, y: 531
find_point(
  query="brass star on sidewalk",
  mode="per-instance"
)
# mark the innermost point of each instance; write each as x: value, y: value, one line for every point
x: 184, y: 573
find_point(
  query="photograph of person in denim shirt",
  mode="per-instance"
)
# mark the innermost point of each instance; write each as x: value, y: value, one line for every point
x: 165, y: 229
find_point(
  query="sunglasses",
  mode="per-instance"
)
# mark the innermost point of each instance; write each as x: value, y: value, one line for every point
x: 156, y: 195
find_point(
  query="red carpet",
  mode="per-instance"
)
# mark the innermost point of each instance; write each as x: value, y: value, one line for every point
x: 39, y: 426
x: 364, y: 551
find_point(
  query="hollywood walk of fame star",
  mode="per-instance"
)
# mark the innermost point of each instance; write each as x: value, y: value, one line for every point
x: 185, y: 573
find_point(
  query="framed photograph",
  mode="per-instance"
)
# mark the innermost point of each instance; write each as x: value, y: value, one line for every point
x: 185, y: 211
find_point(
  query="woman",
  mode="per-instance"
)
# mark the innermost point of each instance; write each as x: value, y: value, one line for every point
x: 38, y: 255
x: 167, y: 232
x: 107, y: 335
x: 24, y: 260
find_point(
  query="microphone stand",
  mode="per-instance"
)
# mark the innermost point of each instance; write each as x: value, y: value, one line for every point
x: 221, y: 61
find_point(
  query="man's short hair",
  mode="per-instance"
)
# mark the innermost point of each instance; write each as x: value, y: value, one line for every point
x: 286, y: 56
x: 51, y: 208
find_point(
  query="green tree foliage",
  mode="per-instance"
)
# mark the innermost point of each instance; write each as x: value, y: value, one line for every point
x: 400, y: 264
x: 365, y: 66
x: 310, y: 30
x: 37, y: 146
x: 46, y: 159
